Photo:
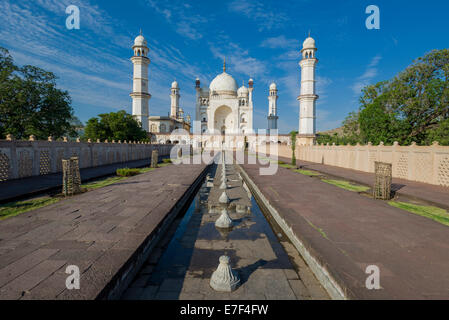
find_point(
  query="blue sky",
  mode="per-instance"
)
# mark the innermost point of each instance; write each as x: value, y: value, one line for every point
x: 187, y: 39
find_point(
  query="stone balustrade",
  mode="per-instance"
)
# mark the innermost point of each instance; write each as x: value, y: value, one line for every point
x: 20, y: 158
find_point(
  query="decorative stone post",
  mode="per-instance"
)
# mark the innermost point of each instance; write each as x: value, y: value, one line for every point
x: 154, y: 158
x: 383, y: 178
x: 224, y: 199
x: 71, y: 180
x: 224, y: 279
x: 224, y: 221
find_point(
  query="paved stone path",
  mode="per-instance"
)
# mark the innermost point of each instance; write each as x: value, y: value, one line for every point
x: 98, y: 231
x: 182, y: 266
x: 17, y: 188
x: 346, y: 232
x: 433, y: 194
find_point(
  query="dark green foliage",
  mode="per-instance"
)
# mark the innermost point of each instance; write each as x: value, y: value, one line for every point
x: 412, y: 107
x: 30, y: 103
x: 114, y: 126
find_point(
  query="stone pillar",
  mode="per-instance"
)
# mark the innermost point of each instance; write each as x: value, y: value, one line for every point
x: 154, y: 158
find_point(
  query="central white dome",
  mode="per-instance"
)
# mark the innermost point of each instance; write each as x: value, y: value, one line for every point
x: 223, y: 82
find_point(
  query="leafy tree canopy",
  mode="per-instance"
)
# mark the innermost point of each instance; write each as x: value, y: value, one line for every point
x: 412, y: 107
x: 114, y: 126
x: 30, y: 103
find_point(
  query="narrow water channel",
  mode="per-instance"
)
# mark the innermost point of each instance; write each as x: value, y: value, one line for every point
x: 181, y: 265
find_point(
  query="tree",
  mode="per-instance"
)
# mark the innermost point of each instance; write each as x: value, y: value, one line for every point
x: 412, y: 107
x: 30, y: 103
x: 114, y: 126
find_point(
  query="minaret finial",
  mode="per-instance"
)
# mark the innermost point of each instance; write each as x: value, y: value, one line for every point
x: 224, y: 64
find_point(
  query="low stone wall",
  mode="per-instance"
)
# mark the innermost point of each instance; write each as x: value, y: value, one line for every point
x: 428, y: 164
x: 20, y: 159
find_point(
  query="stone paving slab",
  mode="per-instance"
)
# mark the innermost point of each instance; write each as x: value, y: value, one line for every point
x: 13, y: 189
x: 345, y: 232
x: 99, y: 231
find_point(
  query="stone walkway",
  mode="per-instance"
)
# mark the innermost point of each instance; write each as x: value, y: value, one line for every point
x: 432, y: 194
x: 181, y: 268
x: 346, y: 232
x: 100, y: 231
x: 13, y: 189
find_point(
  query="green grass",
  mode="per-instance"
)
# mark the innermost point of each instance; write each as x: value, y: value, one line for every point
x: 307, y: 172
x: 127, y: 172
x: 146, y: 169
x: 12, y: 209
x: 101, y: 183
x: 434, y: 213
x: 288, y: 166
x: 161, y: 165
x: 346, y: 185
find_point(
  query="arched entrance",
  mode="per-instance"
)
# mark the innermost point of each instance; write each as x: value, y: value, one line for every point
x: 223, y: 119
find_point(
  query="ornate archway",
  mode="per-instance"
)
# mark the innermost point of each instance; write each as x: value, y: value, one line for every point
x: 223, y: 119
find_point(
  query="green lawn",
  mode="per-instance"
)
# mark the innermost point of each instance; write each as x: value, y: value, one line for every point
x: 307, y: 172
x: 14, y: 208
x: 101, y: 183
x: 434, y: 213
x: 346, y: 185
x: 288, y: 166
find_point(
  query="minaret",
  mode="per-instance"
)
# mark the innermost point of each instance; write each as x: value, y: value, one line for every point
x: 197, y: 124
x: 250, y: 104
x: 307, y: 97
x: 174, y: 109
x: 272, y: 107
x: 140, y: 93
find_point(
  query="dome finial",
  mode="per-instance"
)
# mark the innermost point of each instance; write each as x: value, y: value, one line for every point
x: 224, y: 64
x: 309, y: 33
x: 140, y: 31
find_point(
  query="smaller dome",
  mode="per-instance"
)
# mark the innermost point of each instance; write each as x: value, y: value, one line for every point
x: 309, y: 43
x: 174, y: 84
x: 273, y: 86
x: 140, y: 41
x: 242, y: 91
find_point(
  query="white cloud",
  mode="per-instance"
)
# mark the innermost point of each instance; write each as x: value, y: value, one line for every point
x: 370, y: 73
x: 267, y: 18
x: 183, y: 17
x: 280, y: 42
x: 239, y: 60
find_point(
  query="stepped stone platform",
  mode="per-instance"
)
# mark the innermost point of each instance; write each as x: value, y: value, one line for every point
x: 344, y: 232
x: 105, y: 232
